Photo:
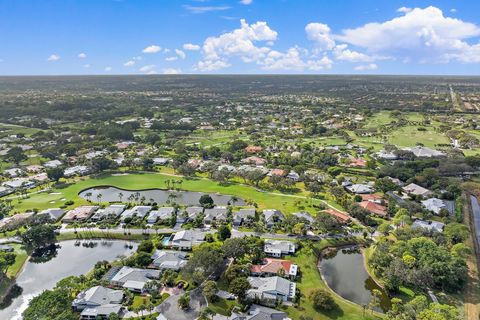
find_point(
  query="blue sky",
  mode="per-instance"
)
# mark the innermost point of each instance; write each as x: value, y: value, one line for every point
x: 52, y: 37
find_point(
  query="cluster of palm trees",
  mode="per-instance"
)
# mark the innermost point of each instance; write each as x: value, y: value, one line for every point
x: 171, y: 183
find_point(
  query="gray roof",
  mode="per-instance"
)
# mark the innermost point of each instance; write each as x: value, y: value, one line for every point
x: 257, y: 312
x: 304, y: 215
x: 135, y: 274
x: 98, y: 296
x: 166, y: 259
x: 271, y: 214
x: 103, y: 310
x: 276, y: 285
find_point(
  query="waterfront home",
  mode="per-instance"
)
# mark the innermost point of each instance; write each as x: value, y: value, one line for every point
x: 162, y: 213
x: 274, y: 267
x: 186, y: 239
x: 114, y: 210
x: 167, y: 259
x: 102, y: 312
x: 76, y: 170
x: 255, y: 312
x: 189, y: 213
x: 97, y: 296
x: 215, y: 214
x: 134, y: 279
x: 137, y: 211
x: 81, y: 213
x: 271, y: 289
x: 278, y: 248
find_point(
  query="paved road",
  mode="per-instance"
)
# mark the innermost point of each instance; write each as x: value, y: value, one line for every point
x: 476, y: 218
x: 169, y: 308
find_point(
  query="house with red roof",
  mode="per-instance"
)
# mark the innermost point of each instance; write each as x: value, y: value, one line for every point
x: 275, y: 267
x: 337, y: 214
x: 253, y: 149
x: 374, y: 208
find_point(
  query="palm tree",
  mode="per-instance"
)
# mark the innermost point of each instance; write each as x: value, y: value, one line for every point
x: 88, y: 195
x: 120, y: 196
x: 99, y: 197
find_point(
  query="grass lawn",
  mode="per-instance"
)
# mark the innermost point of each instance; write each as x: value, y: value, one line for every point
x: 222, y: 306
x: 311, y: 279
x: 139, y: 300
x: 100, y: 235
x: 58, y: 196
x: 19, y: 260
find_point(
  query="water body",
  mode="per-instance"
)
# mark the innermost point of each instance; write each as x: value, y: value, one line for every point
x: 345, y: 273
x: 476, y: 218
x: 187, y: 198
x: 71, y: 260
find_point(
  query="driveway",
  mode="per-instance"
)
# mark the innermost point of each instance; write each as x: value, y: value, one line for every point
x: 170, y: 310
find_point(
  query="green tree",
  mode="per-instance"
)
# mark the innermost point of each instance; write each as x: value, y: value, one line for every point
x: 39, y: 236
x: 224, y: 232
x: 55, y: 174
x: 206, y: 201
x: 52, y: 305
x: 16, y: 155
x: 184, y: 301
x: 322, y: 299
x: 239, y: 287
x: 210, y: 290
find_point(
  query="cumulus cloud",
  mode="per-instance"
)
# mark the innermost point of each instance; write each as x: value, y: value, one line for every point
x: 82, y: 55
x: 319, y: 33
x: 404, y: 9
x: 342, y: 53
x: 246, y: 2
x: 171, y: 71
x: 191, y: 47
x: 422, y: 33
x: 129, y: 63
x: 240, y: 42
x: 292, y: 60
x: 152, y: 49
x: 149, y: 69
x: 53, y: 57
x: 180, y: 53
x: 371, y: 66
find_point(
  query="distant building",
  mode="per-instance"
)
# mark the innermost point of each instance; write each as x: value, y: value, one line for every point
x: 417, y: 190
x: 428, y: 225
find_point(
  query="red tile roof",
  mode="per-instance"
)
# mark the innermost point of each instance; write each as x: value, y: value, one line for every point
x: 374, y: 207
x: 342, y: 216
x: 272, y: 266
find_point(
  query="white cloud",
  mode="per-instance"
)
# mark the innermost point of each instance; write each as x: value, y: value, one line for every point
x: 82, y: 55
x: 292, y: 60
x: 53, y: 57
x: 108, y: 68
x: 129, y: 63
x: 152, y: 49
x: 171, y: 71
x: 246, y: 2
x: 180, y: 53
x: 149, y: 69
x: 404, y: 9
x: 171, y: 58
x: 239, y: 42
x: 204, y: 9
x: 342, y: 53
x: 425, y: 34
x: 453, y: 10
x: 87, y: 65
x: 319, y: 33
x: 371, y: 66
x: 191, y: 47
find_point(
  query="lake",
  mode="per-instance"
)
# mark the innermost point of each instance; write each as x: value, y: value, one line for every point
x: 71, y: 260
x: 187, y: 198
x: 344, y: 272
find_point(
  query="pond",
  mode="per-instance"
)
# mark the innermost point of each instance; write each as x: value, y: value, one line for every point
x: 344, y: 272
x: 71, y: 259
x: 187, y: 198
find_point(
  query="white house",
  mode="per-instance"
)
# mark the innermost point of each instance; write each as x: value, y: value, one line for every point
x: 278, y: 248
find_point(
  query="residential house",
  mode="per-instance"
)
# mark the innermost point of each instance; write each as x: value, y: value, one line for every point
x: 215, y: 214
x: 162, y: 213
x: 134, y: 279
x: 272, y: 216
x: 81, y: 213
x: 53, y: 213
x: 374, y: 208
x: 76, y: 170
x: 190, y: 214
x: 271, y: 289
x: 4, y: 191
x: 255, y: 312
x: 19, y: 183
x: 428, y: 225
x: 253, y: 149
x: 274, y: 267
x: 360, y: 188
x: 97, y: 296
x: 137, y: 211
x: 424, y: 152
x: 337, y: 214
x: 254, y: 160
x: 305, y: 216
x: 278, y: 248
x: 240, y: 216
x: 102, y: 312
x: 114, y: 210
x: 166, y: 259
x: 186, y: 239
x: 52, y: 164
x: 435, y: 205
x: 417, y: 190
